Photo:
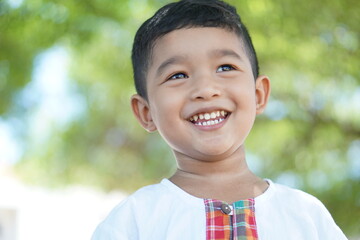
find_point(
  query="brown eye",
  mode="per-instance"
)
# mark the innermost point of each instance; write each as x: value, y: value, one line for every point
x: 225, y: 68
x: 178, y: 76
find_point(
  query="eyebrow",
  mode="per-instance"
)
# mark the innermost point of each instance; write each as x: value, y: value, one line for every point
x: 171, y: 61
x: 225, y: 53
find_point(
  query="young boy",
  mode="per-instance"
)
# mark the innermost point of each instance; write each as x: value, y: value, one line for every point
x: 196, y: 74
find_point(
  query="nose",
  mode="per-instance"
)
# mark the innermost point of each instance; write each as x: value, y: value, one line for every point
x: 205, y: 87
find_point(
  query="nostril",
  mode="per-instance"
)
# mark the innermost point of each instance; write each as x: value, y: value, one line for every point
x: 206, y: 93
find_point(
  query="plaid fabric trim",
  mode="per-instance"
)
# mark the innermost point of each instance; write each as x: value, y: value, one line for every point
x: 240, y: 224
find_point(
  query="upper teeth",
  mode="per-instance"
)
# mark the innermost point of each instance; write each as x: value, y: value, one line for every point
x: 208, y: 116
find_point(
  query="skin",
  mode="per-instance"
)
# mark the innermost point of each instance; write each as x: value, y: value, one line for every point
x: 201, y: 70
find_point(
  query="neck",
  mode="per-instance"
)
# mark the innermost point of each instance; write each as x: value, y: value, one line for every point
x: 233, y: 165
x: 206, y: 179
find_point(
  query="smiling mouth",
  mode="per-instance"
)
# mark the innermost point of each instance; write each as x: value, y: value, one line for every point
x: 209, y: 119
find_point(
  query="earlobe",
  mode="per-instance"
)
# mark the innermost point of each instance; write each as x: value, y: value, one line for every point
x: 142, y: 113
x: 262, y: 93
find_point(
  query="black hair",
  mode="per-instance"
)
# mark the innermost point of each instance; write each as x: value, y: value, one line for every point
x: 185, y: 14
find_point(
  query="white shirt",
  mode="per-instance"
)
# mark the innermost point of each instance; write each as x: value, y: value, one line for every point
x: 165, y: 211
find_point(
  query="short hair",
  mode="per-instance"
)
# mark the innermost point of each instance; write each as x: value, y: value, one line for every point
x: 185, y: 14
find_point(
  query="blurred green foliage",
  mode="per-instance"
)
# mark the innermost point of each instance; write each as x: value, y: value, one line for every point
x: 309, y: 137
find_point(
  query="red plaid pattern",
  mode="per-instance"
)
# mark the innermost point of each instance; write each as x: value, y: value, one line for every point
x: 240, y: 224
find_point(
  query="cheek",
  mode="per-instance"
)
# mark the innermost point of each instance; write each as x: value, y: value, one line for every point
x: 246, y: 102
x: 245, y: 95
x: 164, y: 111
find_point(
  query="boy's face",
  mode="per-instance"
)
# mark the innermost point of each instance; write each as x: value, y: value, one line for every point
x: 202, y: 96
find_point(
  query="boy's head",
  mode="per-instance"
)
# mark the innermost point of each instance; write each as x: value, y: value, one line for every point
x: 186, y: 14
x: 194, y: 71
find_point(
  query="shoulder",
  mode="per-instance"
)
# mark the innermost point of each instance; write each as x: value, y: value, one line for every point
x: 295, y: 200
x: 292, y: 196
x: 303, y: 213
x: 121, y: 221
x: 149, y: 211
x: 144, y: 198
x: 149, y: 193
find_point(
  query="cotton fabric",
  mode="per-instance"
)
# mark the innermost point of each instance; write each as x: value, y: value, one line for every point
x: 164, y: 211
x: 238, y: 224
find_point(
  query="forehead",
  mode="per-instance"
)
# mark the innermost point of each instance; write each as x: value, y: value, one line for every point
x: 201, y: 38
x: 189, y: 44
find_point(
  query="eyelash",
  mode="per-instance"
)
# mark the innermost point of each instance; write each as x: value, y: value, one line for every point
x: 228, y: 66
x: 176, y: 76
x: 183, y: 75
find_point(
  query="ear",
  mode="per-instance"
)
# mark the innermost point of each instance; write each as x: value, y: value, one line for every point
x: 142, y: 113
x: 262, y: 92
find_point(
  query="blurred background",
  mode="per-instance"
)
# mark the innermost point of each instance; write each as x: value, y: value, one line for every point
x: 70, y: 148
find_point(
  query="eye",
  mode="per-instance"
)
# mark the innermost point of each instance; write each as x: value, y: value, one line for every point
x: 225, y: 68
x: 178, y: 76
